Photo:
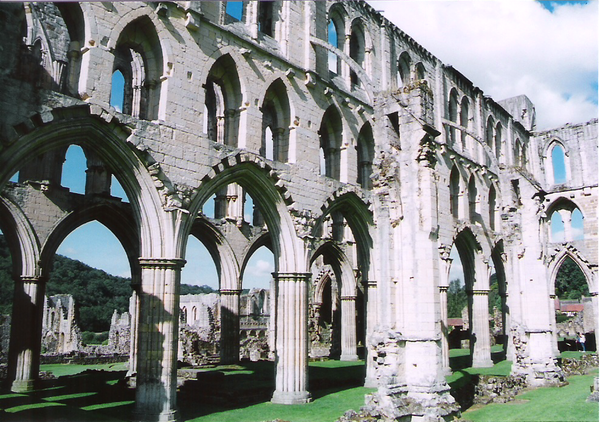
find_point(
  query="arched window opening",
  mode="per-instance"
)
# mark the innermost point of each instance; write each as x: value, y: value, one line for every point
x: 200, y: 269
x: 14, y: 178
x: 473, y: 200
x: 117, y: 91
x: 498, y: 141
x: 403, y: 75
x: 183, y: 315
x: 223, y: 100
x: 457, y: 294
x: 570, y: 283
x: 489, y: 134
x: 365, y: 154
x: 74, y: 170
x: 93, y: 245
x: 276, y: 123
x: 492, y: 207
x: 357, y: 51
x: 557, y: 227
x: 332, y: 38
x: 454, y: 192
x: 524, y: 156
x: 138, y: 56
x: 420, y: 71
x: 517, y: 153
x: 265, y: 17
x: 234, y: 11
x: 464, y: 122
x: 72, y: 15
x: 577, y: 224
x: 331, y: 141
x: 453, y: 115
x: 489, y: 139
x: 258, y: 271
x: 558, y: 165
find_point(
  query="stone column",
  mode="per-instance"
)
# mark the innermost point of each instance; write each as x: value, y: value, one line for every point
x: 555, y: 350
x: 230, y: 326
x: 480, y: 331
x: 291, y: 377
x: 158, y: 332
x: 444, y: 320
x: 272, y: 318
x: 26, y: 332
x: 371, y: 323
x: 134, y: 313
x: 349, y: 329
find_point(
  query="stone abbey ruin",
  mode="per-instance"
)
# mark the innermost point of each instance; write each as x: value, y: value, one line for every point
x: 367, y: 160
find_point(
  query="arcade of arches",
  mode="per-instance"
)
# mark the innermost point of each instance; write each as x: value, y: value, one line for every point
x: 367, y: 160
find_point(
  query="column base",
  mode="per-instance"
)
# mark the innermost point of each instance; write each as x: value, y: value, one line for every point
x: 166, y: 416
x: 371, y: 383
x: 398, y: 403
x: 298, y: 397
x: 22, y: 386
x: 349, y: 358
x: 483, y: 363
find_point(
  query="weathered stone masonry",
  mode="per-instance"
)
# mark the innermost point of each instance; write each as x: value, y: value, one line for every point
x: 364, y: 155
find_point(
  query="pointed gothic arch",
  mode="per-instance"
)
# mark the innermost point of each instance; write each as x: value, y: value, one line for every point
x: 276, y: 123
x: 223, y: 99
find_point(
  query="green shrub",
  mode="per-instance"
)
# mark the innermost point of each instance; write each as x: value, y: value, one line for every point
x: 89, y: 337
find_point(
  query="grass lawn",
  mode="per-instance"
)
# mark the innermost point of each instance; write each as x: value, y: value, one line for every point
x: 60, y: 370
x: 241, y: 393
x: 564, y: 404
x: 245, y: 391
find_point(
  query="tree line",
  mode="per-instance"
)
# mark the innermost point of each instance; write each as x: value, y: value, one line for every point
x: 97, y: 294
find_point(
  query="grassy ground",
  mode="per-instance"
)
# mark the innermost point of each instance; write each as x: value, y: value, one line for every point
x: 564, y: 404
x: 224, y: 393
x: 241, y: 393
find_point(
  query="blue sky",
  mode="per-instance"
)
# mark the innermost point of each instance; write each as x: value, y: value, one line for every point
x: 545, y: 50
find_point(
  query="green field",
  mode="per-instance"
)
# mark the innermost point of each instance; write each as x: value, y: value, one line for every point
x: 241, y: 393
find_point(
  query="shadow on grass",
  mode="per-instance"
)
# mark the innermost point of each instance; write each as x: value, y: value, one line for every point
x: 104, y: 396
x: 249, y: 383
x: 89, y: 396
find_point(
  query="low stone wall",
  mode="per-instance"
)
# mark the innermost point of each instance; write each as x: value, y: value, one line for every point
x: 497, y: 389
x: 579, y: 366
x: 82, y: 359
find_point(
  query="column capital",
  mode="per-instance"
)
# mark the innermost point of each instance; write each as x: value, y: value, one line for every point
x: 162, y: 263
x: 369, y: 283
x: 298, y: 277
x: 230, y: 291
x: 480, y: 292
x: 31, y: 279
x: 443, y: 288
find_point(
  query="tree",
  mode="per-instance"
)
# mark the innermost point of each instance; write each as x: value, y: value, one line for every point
x: 457, y: 298
x: 570, y: 281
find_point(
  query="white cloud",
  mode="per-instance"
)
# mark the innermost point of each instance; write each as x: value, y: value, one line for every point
x: 509, y: 48
x: 260, y: 268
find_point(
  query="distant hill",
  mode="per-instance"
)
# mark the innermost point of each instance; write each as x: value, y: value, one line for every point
x: 97, y: 294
